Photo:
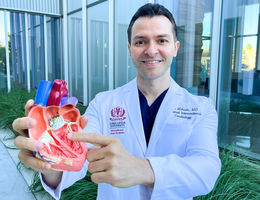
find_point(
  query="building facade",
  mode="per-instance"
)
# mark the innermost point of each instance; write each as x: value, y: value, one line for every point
x: 85, y: 43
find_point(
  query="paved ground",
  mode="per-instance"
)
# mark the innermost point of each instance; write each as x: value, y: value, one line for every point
x: 14, y: 183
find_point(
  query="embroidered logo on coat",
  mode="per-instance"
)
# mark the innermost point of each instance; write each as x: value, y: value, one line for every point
x: 117, y: 114
x: 117, y: 120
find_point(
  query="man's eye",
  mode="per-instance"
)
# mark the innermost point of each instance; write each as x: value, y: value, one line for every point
x: 140, y: 42
x: 162, y: 41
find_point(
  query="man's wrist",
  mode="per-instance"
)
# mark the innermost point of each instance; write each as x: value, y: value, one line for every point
x: 52, y: 178
x: 146, y: 172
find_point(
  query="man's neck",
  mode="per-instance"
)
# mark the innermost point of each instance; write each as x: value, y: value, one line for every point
x: 151, y: 89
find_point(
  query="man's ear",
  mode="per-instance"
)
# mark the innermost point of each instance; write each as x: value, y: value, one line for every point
x: 176, y: 48
x: 129, y: 49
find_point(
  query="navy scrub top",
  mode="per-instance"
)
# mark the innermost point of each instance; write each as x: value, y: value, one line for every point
x: 149, y: 112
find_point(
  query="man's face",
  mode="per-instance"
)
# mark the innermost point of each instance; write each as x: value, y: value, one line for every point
x: 152, y: 47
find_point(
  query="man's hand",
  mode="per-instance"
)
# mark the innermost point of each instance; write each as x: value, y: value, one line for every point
x: 28, y: 145
x: 112, y: 163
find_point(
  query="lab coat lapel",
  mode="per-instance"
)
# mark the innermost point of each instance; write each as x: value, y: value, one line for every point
x: 171, y: 100
x: 134, y: 113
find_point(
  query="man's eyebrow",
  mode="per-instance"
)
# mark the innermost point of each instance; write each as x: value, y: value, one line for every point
x: 138, y: 37
x: 163, y: 36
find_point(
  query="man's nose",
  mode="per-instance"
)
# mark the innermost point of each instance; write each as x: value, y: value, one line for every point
x: 151, y: 50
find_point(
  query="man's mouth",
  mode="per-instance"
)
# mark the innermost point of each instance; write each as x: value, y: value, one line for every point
x: 151, y: 61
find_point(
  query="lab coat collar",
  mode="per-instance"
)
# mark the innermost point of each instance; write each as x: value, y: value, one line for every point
x: 134, y: 113
x: 135, y: 117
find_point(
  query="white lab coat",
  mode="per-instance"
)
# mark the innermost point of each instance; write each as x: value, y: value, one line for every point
x: 182, y: 150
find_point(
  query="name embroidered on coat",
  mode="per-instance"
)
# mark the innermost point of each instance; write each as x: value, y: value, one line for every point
x: 186, y: 113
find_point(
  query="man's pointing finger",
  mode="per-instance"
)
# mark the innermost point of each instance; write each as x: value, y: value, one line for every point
x: 93, y: 138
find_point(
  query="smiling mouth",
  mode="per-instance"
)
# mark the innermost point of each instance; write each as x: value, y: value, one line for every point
x: 151, y: 61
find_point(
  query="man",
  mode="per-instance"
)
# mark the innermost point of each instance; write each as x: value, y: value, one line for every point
x: 153, y: 139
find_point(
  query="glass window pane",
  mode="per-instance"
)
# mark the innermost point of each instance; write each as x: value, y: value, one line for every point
x: 54, y: 49
x: 91, y: 1
x: 74, y: 4
x: 97, y: 49
x: 124, y: 68
x: 3, y: 74
x: 249, y: 53
x: 36, y: 43
x: 3, y: 78
x: 251, y: 12
x: 75, y: 55
x: 12, y: 50
x: 191, y: 68
x: 239, y: 92
x: 18, y: 49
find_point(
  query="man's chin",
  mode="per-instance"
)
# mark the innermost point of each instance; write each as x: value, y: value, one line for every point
x: 150, y: 77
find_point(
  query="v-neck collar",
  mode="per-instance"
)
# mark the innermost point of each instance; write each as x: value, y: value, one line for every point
x: 144, y: 102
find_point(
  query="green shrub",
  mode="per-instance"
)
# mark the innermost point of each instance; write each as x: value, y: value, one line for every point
x: 239, y: 179
x: 12, y: 106
x: 81, y: 108
x: 81, y: 190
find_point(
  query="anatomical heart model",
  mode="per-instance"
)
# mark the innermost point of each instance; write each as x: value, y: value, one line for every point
x: 53, y: 125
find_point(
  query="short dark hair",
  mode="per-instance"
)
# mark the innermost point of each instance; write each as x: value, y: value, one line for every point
x: 151, y: 10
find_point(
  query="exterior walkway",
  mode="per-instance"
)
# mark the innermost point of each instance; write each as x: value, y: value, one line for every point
x: 14, y: 183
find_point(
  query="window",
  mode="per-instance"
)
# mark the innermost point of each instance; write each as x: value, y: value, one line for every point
x: 74, y: 4
x: 75, y: 55
x: 239, y: 91
x: 97, y: 49
x: 18, y: 49
x: 53, y: 48
x: 36, y: 51
x: 3, y: 72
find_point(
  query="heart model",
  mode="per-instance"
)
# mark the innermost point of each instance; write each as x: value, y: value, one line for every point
x: 53, y: 125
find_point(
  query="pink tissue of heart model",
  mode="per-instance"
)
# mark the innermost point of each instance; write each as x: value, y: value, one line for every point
x: 53, y: 125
